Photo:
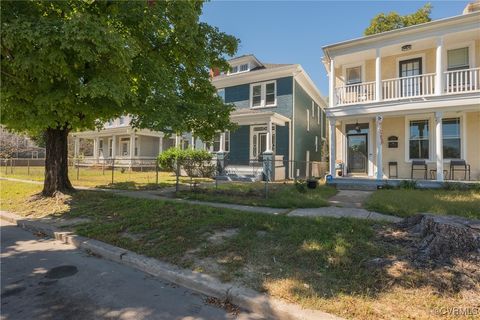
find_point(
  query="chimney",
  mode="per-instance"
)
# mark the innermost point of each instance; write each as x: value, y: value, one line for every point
x: 214, y: 72
x: 472, y: 7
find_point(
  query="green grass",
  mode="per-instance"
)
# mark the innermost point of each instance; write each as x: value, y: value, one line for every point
x: 96, y: 177
x: 320, y: 263
x: 404, y: 203
x: 279, y: 195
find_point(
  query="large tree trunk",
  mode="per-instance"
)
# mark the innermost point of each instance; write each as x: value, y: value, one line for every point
x: 56, y: 162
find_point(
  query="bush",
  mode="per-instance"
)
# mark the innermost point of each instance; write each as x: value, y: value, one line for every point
x: 194, y: 162
x: 301, y: 186
x: 408, y: 184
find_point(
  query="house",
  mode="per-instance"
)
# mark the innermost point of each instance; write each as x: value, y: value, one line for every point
x: 407, y: 98
x: 277, y: 108
x: 118, y: 140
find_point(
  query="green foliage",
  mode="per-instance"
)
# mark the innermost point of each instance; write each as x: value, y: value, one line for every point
x: 76, y: 64
x: 301, y: 185
x: 408, y: 184
x: 391, y: 21
x: 194, y: 162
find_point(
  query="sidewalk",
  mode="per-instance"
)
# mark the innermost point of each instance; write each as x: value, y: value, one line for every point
x: 334, y: 212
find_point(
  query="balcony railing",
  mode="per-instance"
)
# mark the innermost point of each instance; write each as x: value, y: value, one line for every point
x: 458, y: 81
x: 356, y: 93
x: 409, y: 87
x: 466, y: 80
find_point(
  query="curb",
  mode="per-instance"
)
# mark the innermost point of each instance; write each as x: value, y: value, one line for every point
x: 271, y: 308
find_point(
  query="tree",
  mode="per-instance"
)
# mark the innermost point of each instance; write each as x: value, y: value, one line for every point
x: 72, y: 65
x: 391, y: 21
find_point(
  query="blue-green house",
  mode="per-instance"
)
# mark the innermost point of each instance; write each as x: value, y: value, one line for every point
x: 278, y: 108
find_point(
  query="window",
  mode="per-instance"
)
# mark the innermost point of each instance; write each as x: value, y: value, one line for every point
x: 313, y: 109
x: 270, y: 94
x: 244, y: 67
x: 215, y: 146
x: 316, y: 143
x: 419, y: 139
x: 110, y: 123
x: 451, y: 138
x: 457, y: 59
x: 308, y: 120
x: 354, y: 75
x: 318, y: 113
x: 122, y: 120
x: 136, y: 146
x: 239, y: 68
x: 263, y: 95
x: 324, y: 124
x: 257, y: 96
x: 110, y: 147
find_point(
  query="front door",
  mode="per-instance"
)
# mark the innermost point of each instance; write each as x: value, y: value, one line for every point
x: 258, y: 141
x: 357, y: 153
x: 410, y: 84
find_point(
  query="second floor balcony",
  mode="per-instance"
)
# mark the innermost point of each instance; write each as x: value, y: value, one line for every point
x: 423, y: 85
x: 439, y: 58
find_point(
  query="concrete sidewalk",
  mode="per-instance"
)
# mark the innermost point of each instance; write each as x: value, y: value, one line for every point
x: 334, y: 212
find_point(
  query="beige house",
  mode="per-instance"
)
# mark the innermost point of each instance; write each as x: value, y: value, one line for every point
x: 407, y: 98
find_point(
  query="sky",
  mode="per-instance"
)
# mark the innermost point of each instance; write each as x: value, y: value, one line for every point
x: 295, y: 31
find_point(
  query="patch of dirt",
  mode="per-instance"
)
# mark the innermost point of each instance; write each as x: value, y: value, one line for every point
x: 219, y: 236
x: 132, y: 236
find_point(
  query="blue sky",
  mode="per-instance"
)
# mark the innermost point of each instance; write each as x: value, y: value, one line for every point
x: 295, y: 31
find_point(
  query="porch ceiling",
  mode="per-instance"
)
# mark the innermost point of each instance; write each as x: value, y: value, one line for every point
x: 249, y: 117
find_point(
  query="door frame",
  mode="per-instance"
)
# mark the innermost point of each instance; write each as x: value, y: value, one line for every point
x: 366, y: 155
x: 257, y: 133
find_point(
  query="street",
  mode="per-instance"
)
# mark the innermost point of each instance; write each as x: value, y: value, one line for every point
x: 46, y: 279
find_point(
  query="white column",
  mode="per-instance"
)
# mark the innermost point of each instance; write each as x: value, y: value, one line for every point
x: 177, y: 141
x: 96, y: 143
x: 76, y: 147
x: 378, y: 76
x: 332, y: 145
x: 160, y: 144
x: 132, y: 145
x: 222, y: 142
x: 439, y: 145
x: 331, y: 85
x: 439, y: 67
x: 192, y: 142
x: 378, y: 123
x: 114, y: 146
x: 269, y: 137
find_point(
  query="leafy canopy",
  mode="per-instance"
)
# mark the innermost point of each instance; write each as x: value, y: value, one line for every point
x: 76, y: 64
x: 391, y: 21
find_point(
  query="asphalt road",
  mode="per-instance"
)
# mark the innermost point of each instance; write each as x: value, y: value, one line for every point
x: 45, y: 279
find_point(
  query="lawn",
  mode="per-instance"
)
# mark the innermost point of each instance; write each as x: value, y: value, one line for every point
x: 319, y: 263
x: 280, y: 195
x: 404, y: 203
x: 96, y: 177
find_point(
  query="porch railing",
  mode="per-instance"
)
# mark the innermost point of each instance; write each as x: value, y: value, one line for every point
x: 356, y: 93
x: 409, y: 87
x: 466, y: 80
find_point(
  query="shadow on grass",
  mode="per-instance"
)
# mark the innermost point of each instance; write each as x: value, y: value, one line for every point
x: 326, y: 263
x: 132, y: 185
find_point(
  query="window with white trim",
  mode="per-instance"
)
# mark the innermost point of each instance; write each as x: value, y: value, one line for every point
x: 215, y: 145
x: 122, y: 120
x: 308, y: 120
x: 457, y: 59
x: 419, y: 142
x: 263, y: 95
x: 244, y: 67
x: 313, y: 109
x: 451, y: 138
x: 318, y: 113
x: 316, y: 143
x: 353, y: 75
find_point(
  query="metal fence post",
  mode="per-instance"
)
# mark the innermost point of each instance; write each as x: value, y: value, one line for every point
x: 103, y: 166
x: 28, y: 166
x: 156, y: 173
x: 113, y: 168
x: 6, y: 166
x: 78, y: 168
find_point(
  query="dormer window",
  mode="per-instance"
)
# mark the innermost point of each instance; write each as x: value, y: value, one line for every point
x: 240, y: 68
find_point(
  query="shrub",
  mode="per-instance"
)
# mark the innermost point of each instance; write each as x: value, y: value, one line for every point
x: 194, y: 162
x: 408, y: 184
x: 301, y: 186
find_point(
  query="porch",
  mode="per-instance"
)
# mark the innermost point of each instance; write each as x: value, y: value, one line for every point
x: 442, y: 142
